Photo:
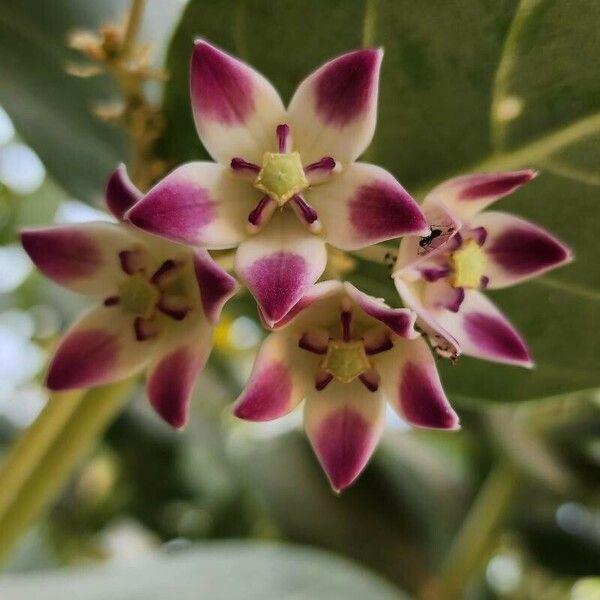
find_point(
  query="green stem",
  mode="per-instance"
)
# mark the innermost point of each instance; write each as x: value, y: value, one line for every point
x: 29, y: 449
x: 132, y: 26
x: 477, y: 537
x: 47, y: 470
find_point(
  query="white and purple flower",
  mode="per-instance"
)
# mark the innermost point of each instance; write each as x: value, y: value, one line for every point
x: 467, y: 250
x: 159, y: 303
x: 285, y: 181
x: 345, y: 352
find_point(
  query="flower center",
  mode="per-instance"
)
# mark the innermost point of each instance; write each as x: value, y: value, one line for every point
x: 281, y: 176
x: 138, y: 296
x: 469, y: 264
x: 346, y: 360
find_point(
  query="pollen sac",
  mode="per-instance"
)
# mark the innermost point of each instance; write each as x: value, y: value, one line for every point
x: 469, y: 263
x: 346, y: 360
x: 281, y: 176
x: 138, y: 296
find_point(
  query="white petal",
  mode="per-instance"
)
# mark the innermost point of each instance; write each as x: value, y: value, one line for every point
x: 334, y: 110
x: 344, y: 423
x: 235, y: 108
x: 365, y: 205
x: 279, y: 264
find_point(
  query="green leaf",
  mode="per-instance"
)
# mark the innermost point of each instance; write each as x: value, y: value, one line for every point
x: 547, y: 80
x: 51, y: 109
x: 444, y: 73
x: 219, y: 571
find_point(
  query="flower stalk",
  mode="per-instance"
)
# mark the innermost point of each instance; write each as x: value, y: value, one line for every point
x: 478, y: 535
x: 50, y: 449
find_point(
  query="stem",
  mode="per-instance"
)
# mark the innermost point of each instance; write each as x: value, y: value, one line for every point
x: 134, y: 19
x: 477, y: 537
x: 34, y: 490
x: 29, y: 449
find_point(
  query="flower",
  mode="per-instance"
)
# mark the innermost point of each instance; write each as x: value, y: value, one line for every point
x: 160, y: 301
x: 345, y: 352
x: 285, y: 181
x: 469, y: 250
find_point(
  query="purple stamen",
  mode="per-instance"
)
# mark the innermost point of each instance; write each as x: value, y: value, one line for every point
x: 308, y: 213
x: 433, y: 274
x: 309, y: 343
x: 239, y: 164
x: 346, y: 318
x: 479, y: 234
x: 166, y: 267
x: 131, y: 261
x: 485, y: 281
x: 111, y: 301
x: 383, y: 346
x: 322, y: 380
x: 324, y: 164
x: 370, y: 379
x: 144, y: 329
x: 284, y: 139
x: 257, y: 213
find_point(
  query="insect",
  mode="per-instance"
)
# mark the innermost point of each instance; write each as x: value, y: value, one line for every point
x: 436, y: 232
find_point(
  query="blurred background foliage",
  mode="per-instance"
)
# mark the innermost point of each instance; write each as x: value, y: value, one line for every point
x: 510, y: 504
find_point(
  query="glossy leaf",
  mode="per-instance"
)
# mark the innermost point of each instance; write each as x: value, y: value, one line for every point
x: 219, y: 571
x: 444, y: 73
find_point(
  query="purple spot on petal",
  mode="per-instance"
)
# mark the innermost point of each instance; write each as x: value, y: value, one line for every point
x: 495, y: 337
x: 455, y: 299
x: 171, y: 384
x: 277, y: 282
x: 176, y: 209
x: 268, y: 394
x: 216, y: 285
x: 422, y: 401
x: 62, y: 254
x: 121, y: 194
x: 346, y: 87
x: 494, y: 184
x: 344, y: 444
x: 383, y: 210
x: 221, y: 88
x: 83, y: 359
x: 522, y: 250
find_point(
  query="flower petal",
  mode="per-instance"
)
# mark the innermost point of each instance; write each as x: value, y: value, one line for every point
x: 412, y: 385
x: 236, y: 109
x: 467, y: 195
x: 198, y: 203
x: 344, y: 422
x: 179, y: 359
x: 216, y: 285
x: 484, y: 332
x: 518, y: 250
x: 83, y: 257
x: 400, y: 320
x: 334, y: 110
x: 281, y: 376
x: 365, y: 205
x: 120, y: 194
x: 416, y: 254
x: 412, y: 293
x: 279, y: 264
x: 313, y: 302
x: 99, y: 348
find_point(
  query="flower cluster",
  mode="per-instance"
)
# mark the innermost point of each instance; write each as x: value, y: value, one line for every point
x: 284, y: 184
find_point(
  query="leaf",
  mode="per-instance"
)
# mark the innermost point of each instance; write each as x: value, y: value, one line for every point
x: 438, y: 83
x: 54, y: 111
x: 219, y: 571
x: 547, y: 80
x: 51, y: 109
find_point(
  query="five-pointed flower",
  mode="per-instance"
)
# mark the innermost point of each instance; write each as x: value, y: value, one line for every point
x: 160, y: 301
x: 285, y: 181
x: 345, y: 352
x: 467, y: 250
